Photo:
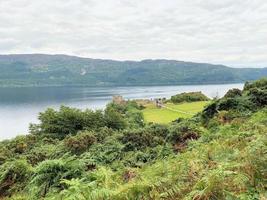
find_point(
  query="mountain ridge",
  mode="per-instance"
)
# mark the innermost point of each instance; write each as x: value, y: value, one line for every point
x: 64, y: 70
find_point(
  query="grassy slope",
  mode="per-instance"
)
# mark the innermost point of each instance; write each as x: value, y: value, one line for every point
x: 221, y: 162
x: 163, y: 115
x: 225, y: 164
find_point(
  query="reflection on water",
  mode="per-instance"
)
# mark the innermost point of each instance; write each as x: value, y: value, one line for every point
x: 20, y: 106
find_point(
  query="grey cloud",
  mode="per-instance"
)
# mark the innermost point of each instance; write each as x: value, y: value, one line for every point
x: 227, y: 32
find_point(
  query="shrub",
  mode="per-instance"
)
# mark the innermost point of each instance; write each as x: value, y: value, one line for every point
x: 135, y: 118
x: 124, y: 107
x: 139, y: 139
x: 14, y: 176
x: 258, y: 96
x: 103, y: 154
x: 158, y: 130
x: 189, y: 97
x: 40, y: 153
x: 114, y: 119
x: 232, y: 93
x: 139, y: 158
x: 209, y: 112
x: 102, y: 133
x: 5, y: 154
x: 183, y: 131
x: 48, y: 175
x: 21, y: 144
x: 79, y: 143
x: 240, y: 104
x: 261, y: 83
x: 257, y: 92
x: 67, y: 121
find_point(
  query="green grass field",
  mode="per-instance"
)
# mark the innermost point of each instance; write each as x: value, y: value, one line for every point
x: 164, y: 115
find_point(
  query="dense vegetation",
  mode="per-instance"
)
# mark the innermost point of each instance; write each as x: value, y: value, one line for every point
x: 59, y: 70
x: 189, y: 97
x: 220, y: 153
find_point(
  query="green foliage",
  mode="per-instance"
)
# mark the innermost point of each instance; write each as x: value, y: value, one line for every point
x: 139, y: 139
x: 114, y: 119
x: 102, y: 133
x: 79, y: 143
x: 139, y: 158
x: 258, y: 96
x: 209, y: 112
x: 97, y: 188
x: 68, y: 121
x: 189, y: 97
x: 257, y: 91
x: 21, y: 144
x: 232, y: 93
x: 261, y: 83
x: 48, y: 175
x: 41, y: 153
x: 215, y: 185
x: 104, y: 153
x: 184, y: 131
x: 14, y: 176
x: 135, y: 119
x: 119, y: 157
x: 240, y: 104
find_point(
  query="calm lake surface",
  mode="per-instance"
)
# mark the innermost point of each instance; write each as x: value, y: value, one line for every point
x: 20, y: 106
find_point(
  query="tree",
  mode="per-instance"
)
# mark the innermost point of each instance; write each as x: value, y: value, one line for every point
x: 67, y: 121
x: 114, y: 119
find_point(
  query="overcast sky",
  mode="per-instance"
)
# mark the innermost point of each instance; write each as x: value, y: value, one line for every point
x: 231, y: 32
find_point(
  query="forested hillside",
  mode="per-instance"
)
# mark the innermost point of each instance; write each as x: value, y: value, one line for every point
x: 220, y: 153
x: 58, y: 70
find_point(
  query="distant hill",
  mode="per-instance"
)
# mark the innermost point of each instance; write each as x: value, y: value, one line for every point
x: 59, y: 70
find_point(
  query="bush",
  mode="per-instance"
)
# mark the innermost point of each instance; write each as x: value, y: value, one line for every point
x: 59, y: 124
x: 79, y: 143
x: 124, y: 107
x: 257, y: 92
x: 135, y: 119
x: 103, y: 154
x: 258, y: 96
x: 158, y: 130
x: 183, y: 131
x: 261, y: 83
x: 40, y: 153
x: 5, y: 154
x: 48, y: 175
x: 139, y: 158
x: 102, y: 133
x: 240, y: 104
x: 209, y: 112
x: 114, y: 119
x: 233, y: 93
x: 21, y: 144
x: 14, y: 176
x: 189, y: 97
x: 139, y: 139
